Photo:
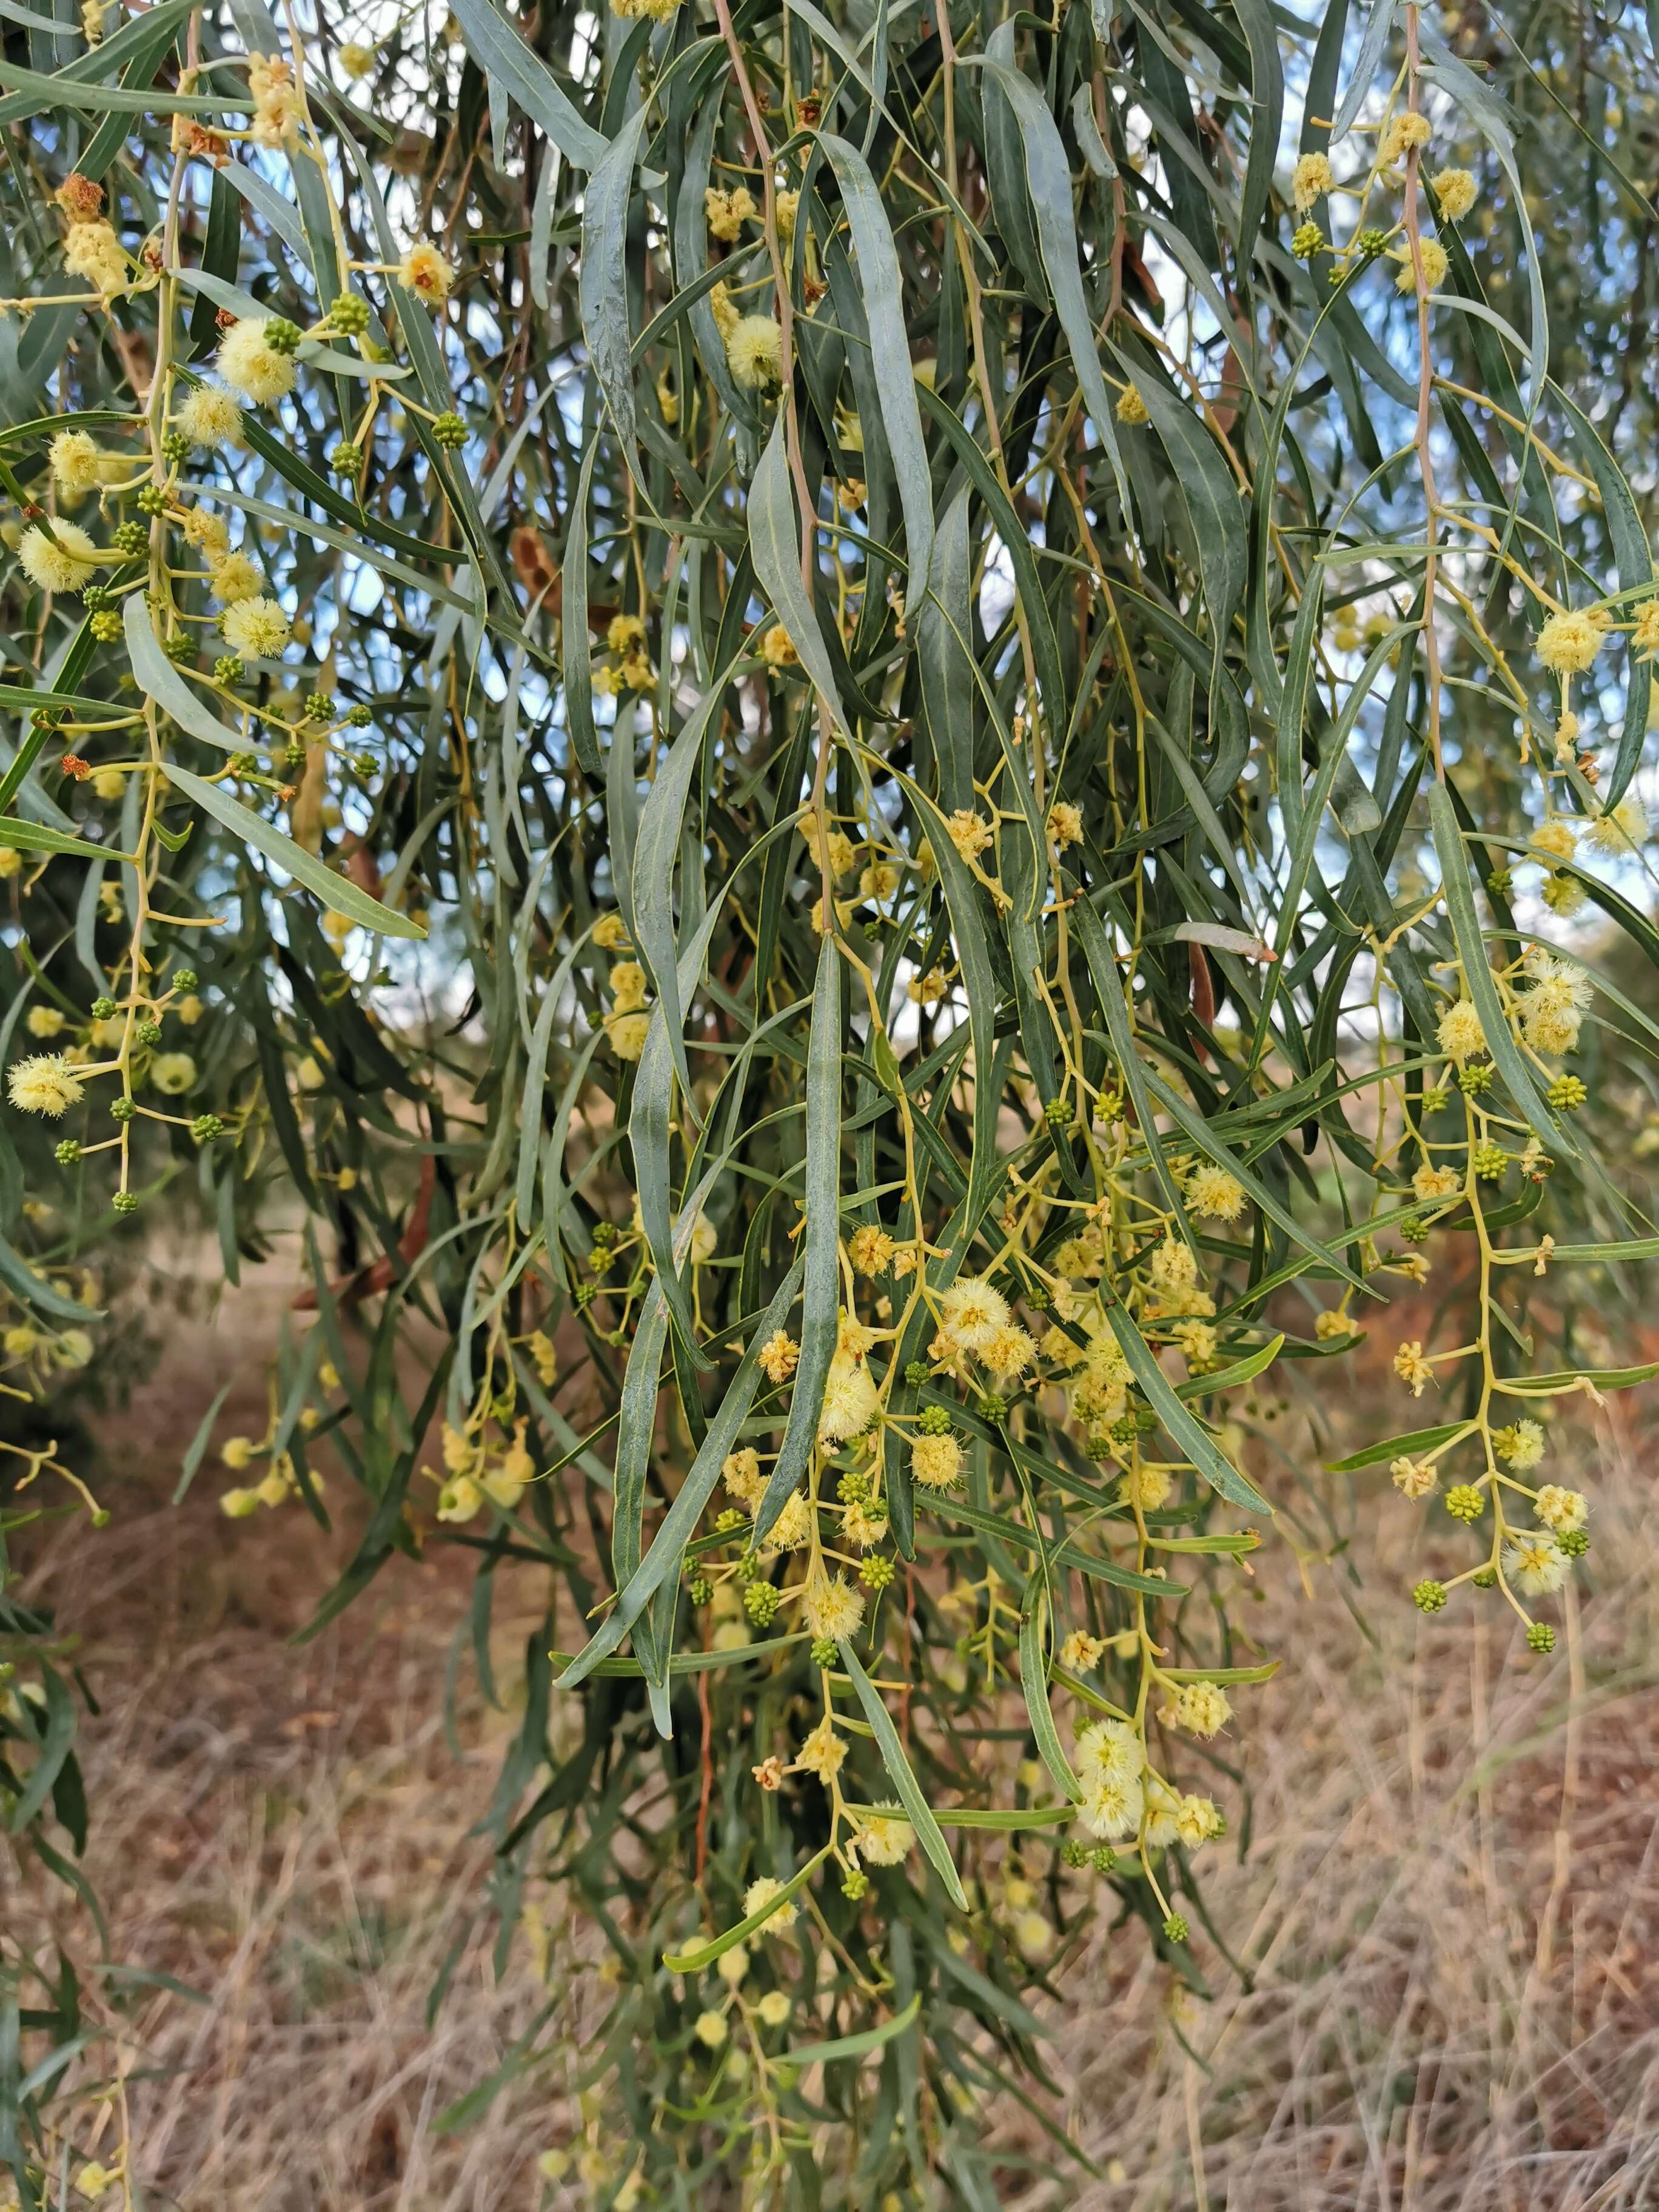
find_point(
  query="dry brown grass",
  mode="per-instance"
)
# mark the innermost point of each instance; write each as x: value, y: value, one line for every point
x: 1449, y: 1911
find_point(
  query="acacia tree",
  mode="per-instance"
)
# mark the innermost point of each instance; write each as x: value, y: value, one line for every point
x: 863, y: 739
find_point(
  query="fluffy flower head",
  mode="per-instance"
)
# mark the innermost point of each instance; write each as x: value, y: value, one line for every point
x: 250, y: 365
x: 68, y: 566
x: 43, y: 1083
x: 257, y: 629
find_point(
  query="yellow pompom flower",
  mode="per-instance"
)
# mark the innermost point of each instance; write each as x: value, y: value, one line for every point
x: 1211, y: 1192
x: 1436, y: 263
x: 68, y: 566
x: 43, y: 1083
x: 250, y: 365
x: 256, y: 629
x: 427, y: 274
x: 76, y: 463
x: 1404, y: 132
x: 935, y: 1462
x: 1568, y: 643
x: 1454, y: 193
x: 1459, y: 1031
x: 210, y: 416
x: 754, y: 352
x: 1130, y: 407
x: 1310, y: 180
x: 93, y: 250
x: 833, y: 1607
x: 233, y: 576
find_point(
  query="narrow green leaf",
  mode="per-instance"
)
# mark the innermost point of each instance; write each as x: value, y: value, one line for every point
x: 337, y: 892
x: 917, y: 1810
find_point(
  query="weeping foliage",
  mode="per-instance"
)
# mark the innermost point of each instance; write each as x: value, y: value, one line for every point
x: 861, y: 753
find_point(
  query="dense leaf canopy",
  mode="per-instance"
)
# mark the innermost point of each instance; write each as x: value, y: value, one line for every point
x: 863, y: 752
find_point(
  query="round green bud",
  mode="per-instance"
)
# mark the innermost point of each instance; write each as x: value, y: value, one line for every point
x: 1428, y: 1596
x: 1485, y: 1578
x: 761, y: 1601
x: 127, y: 1201
x: 1124, y: 1430
x: 1103, y: 1858
x: 175, y: 448
x: 450, y: 432
x: 1500, y: 883
x: 586, y: 1294
x: 319, y: 708
x: 730, y: 1518
x: 1414, y: 1232
x: 346, y: 459
x: 152, y: 500
x: 228, y: 669
x: 604, y: 1232
x: 185, y: 978
x: 364, y: 765
x: 1307, y: 239
x: 1100, y: 1447
x: 244, y: 763
x: 96, y: 596
x: 1574, y: 1544
x: 180, y: 650
x: 853, y: 1487
x: 1146, y: 1420
x: 205, y: 1127
x: 1073, y: 1854
x: 854, y: 1883
x: 935, y: 1420
x: 1435, y: 1098
x: 992, y: 1407
x: 916, y: 1372
x: 122, y: 1109
x: 102, y: 1009
x: 349, y: 313
x: 1371, y: 241
x: 1057, y: 1114
x: 67, y: 1154
x: 1541, y: 1637
x: 699, y: 1590
x: 106, y: 626
x: 1039, y: 1297
x: 132, y: 538
x: 1475, y: 1082
x: 876, y: 1571
x: 1464, y: 1501
x: 1176, y: 1928
x: 359, y: 717
x: 1567, y: 1094
x: 293, y: 754
x: 824, y: 1654
x: 282, y: 336
x: 150, y: 1033
x: 1490, y: 1161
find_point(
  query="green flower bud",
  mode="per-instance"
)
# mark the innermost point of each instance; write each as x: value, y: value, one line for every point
x: 228, y: 669
x: 282, y: 336
x: 106, y: 626
x: 132, y: 538
x: 1541, y: 1637
x: 824, y: 1654
x: 350, y: 314
x: 359, y: 717
x: 102, y: 1009
x: 152, y: 500
x: 150, y: 1033
x: 935, y: 1420
x: 67, y: 1154
x: 1428, y: 1596
x: 205, y: 1127
x: 127, y: 1201
x: 346, y: 459
x: 450, y: 432
x: 916, y: 1372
